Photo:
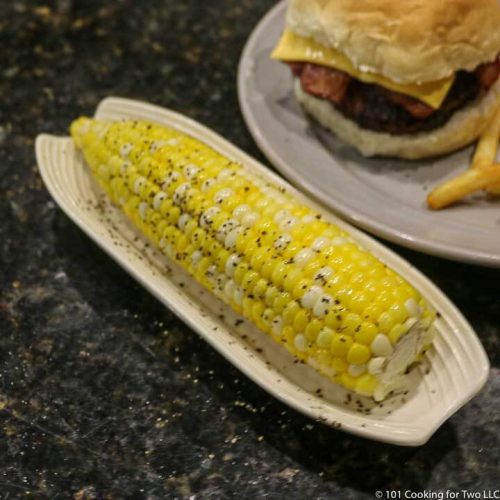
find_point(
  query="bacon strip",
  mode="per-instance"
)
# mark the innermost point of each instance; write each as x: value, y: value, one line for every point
x: 331, y: 84
x: 416, y: 108
x: 324, y: 82
x: 488, y: 73
x: 296, y: 68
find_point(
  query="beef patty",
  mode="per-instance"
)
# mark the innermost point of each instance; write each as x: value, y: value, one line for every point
x: 377, y: 108
x: 372, y: 107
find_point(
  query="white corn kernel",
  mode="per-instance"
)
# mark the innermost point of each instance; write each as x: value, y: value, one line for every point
x: 143, y: 208
x: 207, y: 216
x: 323, y: 274
x: 221, y: 281
x: 231, y: 264
x: 250, y: 219
x: 183, y: 220
x: 356, y: 370
x: 240, y: 211
x: 196, y: 256
x: 125, y: 149
x: 311, y: 296
x: 381, y: 346
x: 124, y: 167
x: 320, y: 243
x: 223, y: 194
x: 229, y: 289
x: 282, y: 241
x: 139, y: 183
x: 300, y: 342
x: 230, y: 241
x: 287, y: 223
x: 307, y: 219
x: 238, y: 296
x: 170, y: 178
x: 207, y: 184
x: 224, y: 174
x: 376, y: 365
x: 303, y: 257
x: 277, y: 325
x: 225, y: 228
x: 180, y: 192
x: 322, y: 305
x: 412, y: 307
x: 409, y: 323
x: 159, y: 198
x: 281, y: 215
x: 190, y: 170
x: 338, y: 241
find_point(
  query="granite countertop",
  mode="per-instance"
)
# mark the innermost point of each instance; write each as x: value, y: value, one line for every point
x: 103, y: 392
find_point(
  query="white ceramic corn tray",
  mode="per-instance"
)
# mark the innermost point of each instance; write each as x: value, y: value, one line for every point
x: 454, y: 370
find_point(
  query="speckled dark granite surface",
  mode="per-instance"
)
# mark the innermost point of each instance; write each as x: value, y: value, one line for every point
x: 103, y: 392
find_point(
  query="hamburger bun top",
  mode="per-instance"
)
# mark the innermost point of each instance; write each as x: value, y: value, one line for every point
x: 407, y: 41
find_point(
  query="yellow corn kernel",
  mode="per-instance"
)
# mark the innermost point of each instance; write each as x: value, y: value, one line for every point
x: 386, y: 321
x: 257, y: 311
x: 397, y: 331
x: 341, y: 344
x: 240, y: 271
x: 324, y: 357
x: 270, y: 297
x: 333, y: 319
x: 260, y: 288
x: 249, y: 281
x: 339, y: 365
x: 358, y: 354
x: 268, y: 268
x: 259, y: 258
x: 373, y: 312
x: 300, y: 288
x: 325, y: 338
x: 366, y: 333
x: 312, y: 329
x: 348, y: 381
x: 268, y: 316
x: 352, y: 323
x: 366, y: 384
x: 301, y: 320
x: 290, y: 312
x: 281, y: 301
x: 247, y: 305
x: 288, y: 333
x: 293, y: 278
x: 359, y: 303
x: 279, y: 274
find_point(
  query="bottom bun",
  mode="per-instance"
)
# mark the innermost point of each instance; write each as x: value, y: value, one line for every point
x: 461, y: 129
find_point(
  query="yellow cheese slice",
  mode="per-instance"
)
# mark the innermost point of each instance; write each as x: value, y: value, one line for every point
x: 294, y: 48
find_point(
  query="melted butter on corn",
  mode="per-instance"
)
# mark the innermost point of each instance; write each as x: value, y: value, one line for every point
x: 299, y: 278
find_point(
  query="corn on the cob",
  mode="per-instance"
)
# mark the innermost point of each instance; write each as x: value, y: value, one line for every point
x: 299, y: 278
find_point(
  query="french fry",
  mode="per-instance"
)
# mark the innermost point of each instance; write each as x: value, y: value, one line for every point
x: 466, y: 183
x: 483, y: 174
x: 486, y: 149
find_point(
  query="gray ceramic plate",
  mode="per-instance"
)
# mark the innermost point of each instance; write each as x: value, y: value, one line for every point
x: 385, y: 197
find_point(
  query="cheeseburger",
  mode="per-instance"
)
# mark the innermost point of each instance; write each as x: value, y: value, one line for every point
x: 411, y: 78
